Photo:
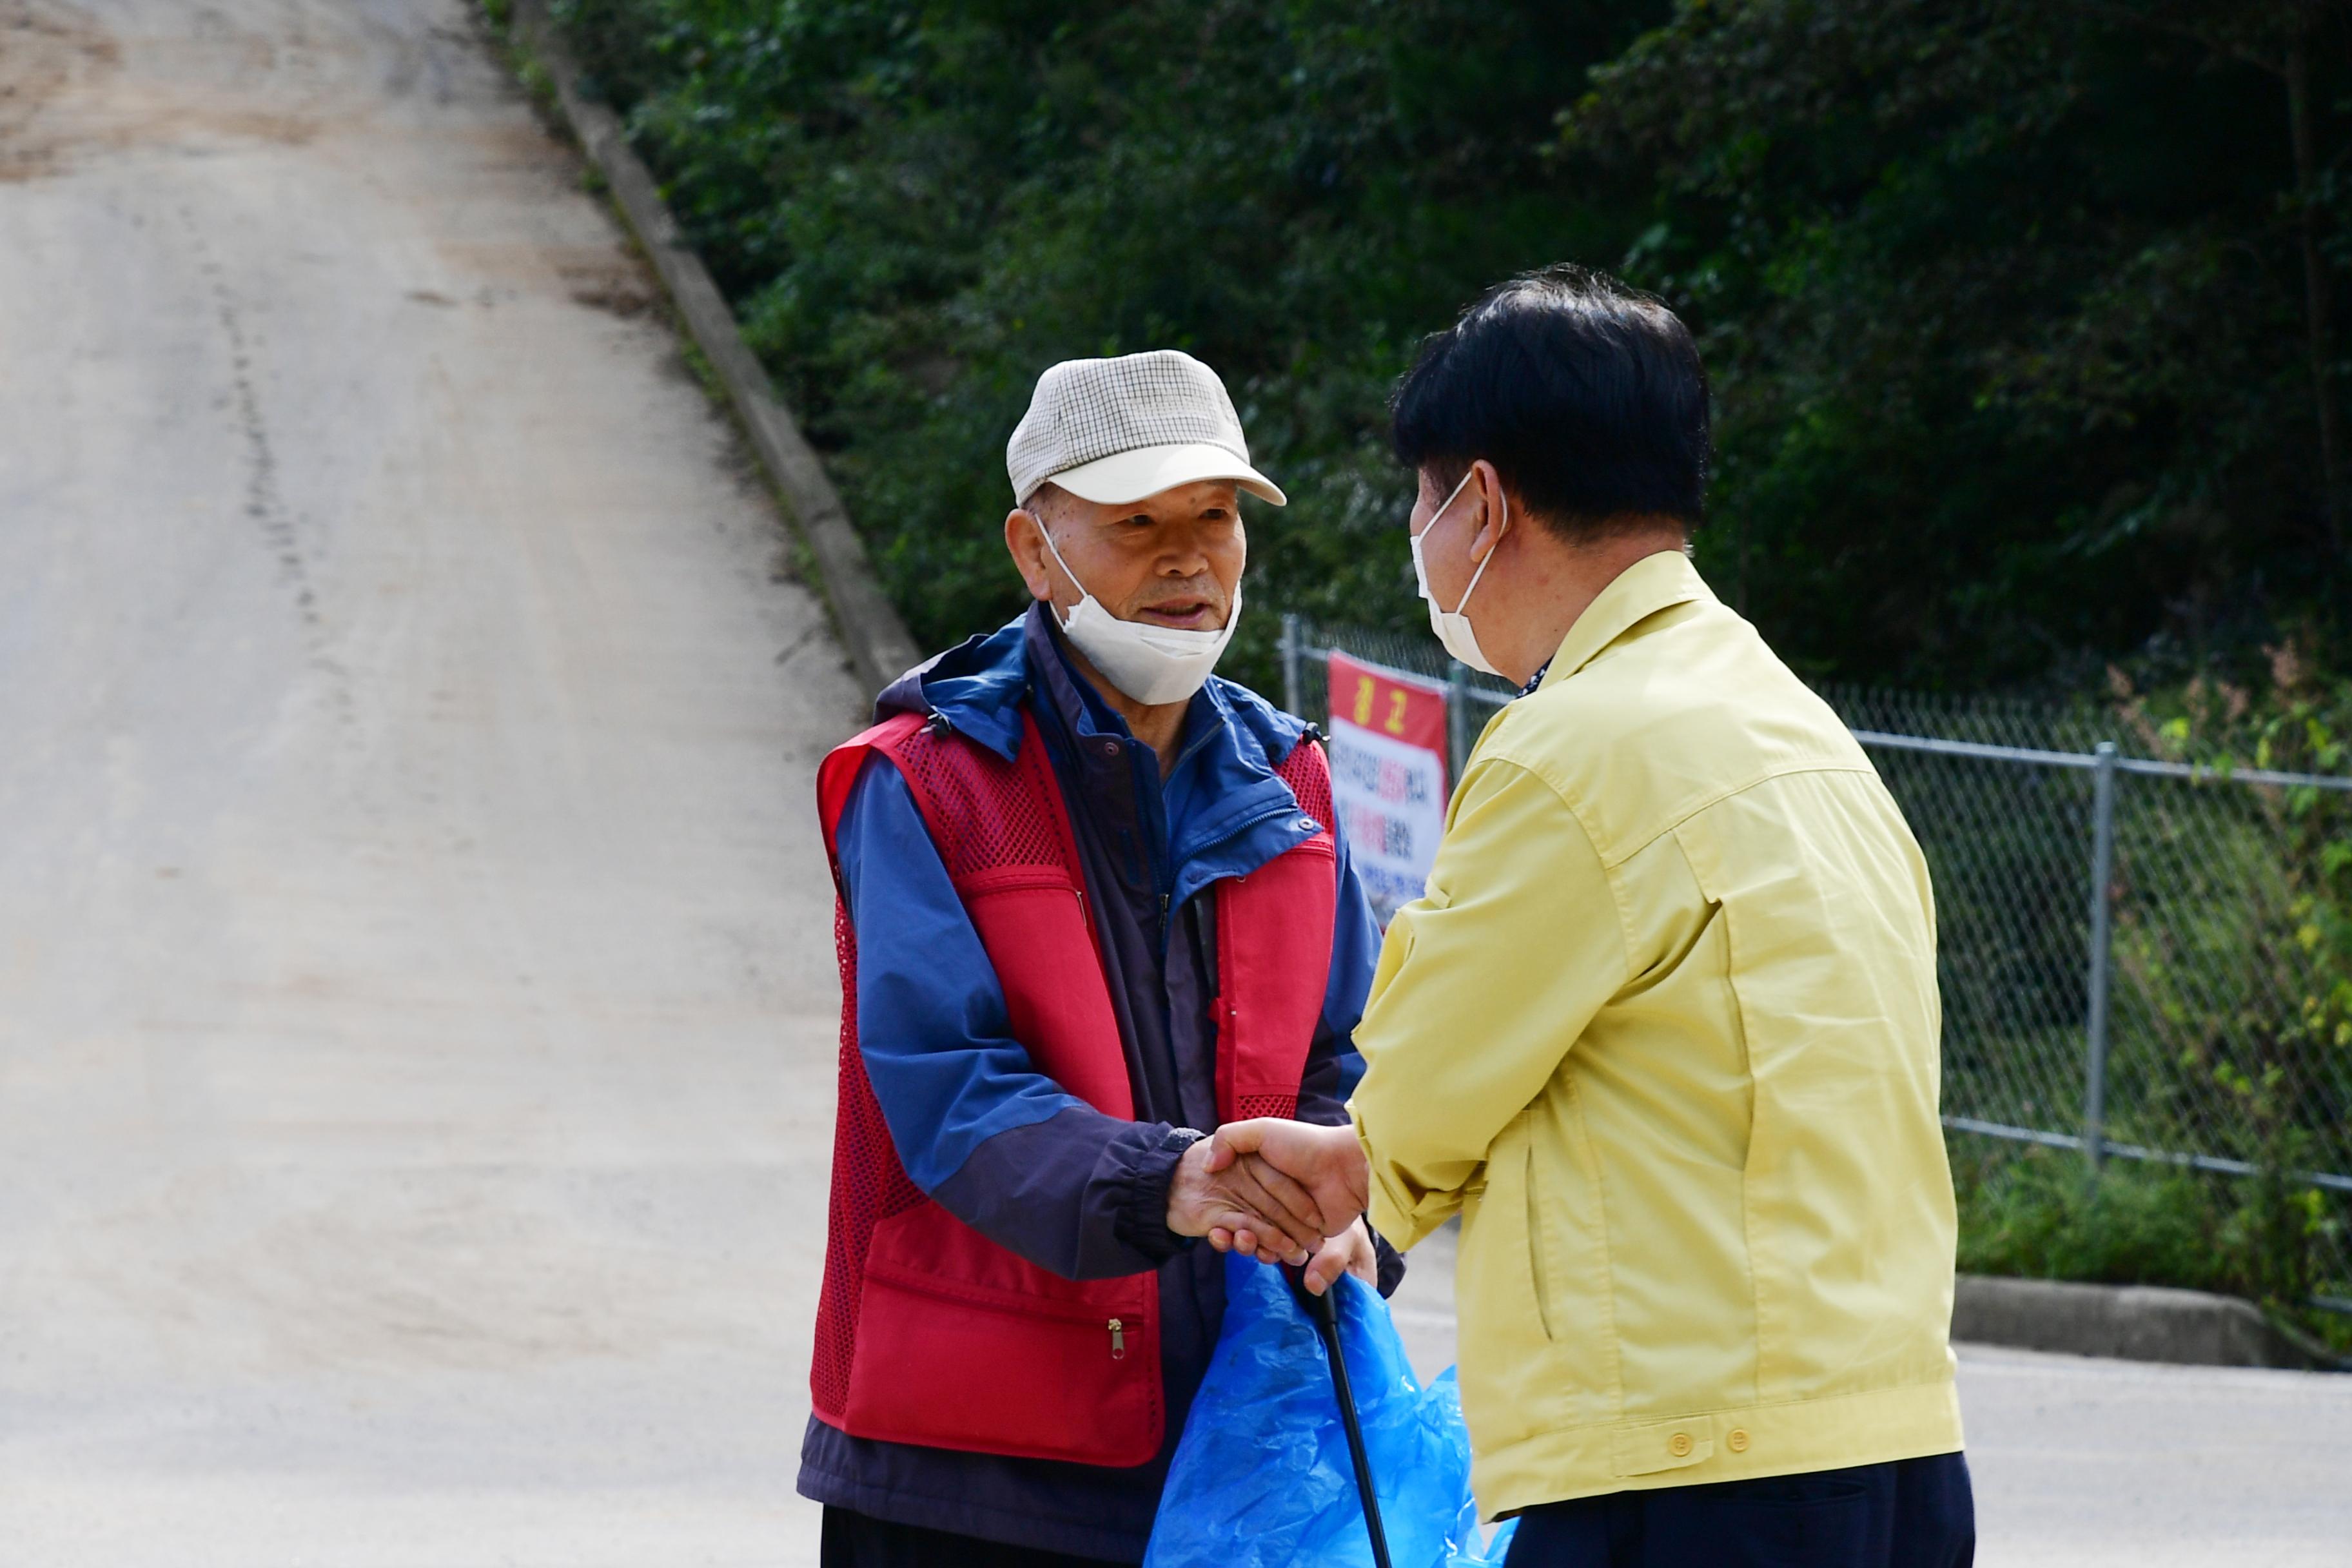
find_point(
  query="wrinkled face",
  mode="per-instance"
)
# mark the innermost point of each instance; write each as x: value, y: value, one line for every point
x: 1170, y: 560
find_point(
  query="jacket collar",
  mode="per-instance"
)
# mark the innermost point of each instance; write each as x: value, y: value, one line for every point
x: 1654, y: 583
x: 1055, y: 683
x: 1242, y: 815
x: 977, y: 687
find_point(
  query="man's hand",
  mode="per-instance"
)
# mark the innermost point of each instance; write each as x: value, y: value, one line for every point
x: 1350, y: 1252
x: 1325, y: 1164
x: 1277, y: 1214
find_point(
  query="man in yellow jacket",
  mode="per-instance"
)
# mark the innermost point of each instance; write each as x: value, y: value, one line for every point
x: 1663, y: 1031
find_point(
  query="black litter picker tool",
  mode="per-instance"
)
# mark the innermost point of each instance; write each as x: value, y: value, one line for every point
x: 1323, y: 1311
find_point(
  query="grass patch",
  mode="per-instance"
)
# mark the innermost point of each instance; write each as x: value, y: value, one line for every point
x: 704, y: 374
x: 537, y: 83
x: 2039, y: 1214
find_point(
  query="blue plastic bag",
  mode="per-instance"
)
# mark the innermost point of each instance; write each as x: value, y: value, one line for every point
x: 1262, y: 1476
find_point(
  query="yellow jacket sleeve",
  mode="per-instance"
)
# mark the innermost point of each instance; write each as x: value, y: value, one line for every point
x: 1482, y: 987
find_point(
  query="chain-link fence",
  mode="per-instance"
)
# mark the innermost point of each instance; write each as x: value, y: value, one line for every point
x: 1306, y: 689
x: 2127, y: 963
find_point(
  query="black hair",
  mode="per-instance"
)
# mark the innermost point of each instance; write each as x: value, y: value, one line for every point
x: 1586, y: 396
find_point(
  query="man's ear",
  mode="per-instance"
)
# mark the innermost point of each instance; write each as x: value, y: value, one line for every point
x: 1025, y: 539
x: 1495, y: 518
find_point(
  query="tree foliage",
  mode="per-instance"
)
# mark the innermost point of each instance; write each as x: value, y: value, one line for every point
x: 2020, y: 311
x: 918, y: 207
x: 2006, y: 303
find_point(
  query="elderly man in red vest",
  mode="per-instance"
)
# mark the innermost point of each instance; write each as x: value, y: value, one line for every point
x: 1094, y: 905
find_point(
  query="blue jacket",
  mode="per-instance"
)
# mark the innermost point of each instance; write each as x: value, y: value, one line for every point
x: 999, y: 1145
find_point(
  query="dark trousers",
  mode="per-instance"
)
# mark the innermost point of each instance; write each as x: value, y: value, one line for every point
x: 1913, y: 1513
x: 860, y: 1540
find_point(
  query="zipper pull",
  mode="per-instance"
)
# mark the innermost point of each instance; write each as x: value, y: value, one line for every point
x: 1118, y: 1339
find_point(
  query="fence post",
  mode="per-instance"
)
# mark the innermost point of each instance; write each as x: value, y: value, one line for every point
x: 2103, y: 860
x: 1457, y: 720
x: 1290, y: 662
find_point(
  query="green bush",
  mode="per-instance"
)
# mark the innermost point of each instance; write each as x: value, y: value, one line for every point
x: 2234, y: 932
x: 2039, y: 1212
x: 2230, y: 1029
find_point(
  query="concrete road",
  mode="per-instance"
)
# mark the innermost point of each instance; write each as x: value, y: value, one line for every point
x: 416, y: 1002
x: 2081, y: 1463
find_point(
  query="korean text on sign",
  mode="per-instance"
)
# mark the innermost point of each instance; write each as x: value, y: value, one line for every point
x: 1388, y: 776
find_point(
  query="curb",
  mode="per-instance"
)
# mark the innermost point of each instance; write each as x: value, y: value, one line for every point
x: 871, y: 631
x: 2128, y: 1322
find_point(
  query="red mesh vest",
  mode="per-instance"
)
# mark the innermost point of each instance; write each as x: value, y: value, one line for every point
x: 928, y: 1332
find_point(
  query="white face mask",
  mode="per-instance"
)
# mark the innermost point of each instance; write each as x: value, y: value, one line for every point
x: 1151, y: 664
x: 1453, y: 626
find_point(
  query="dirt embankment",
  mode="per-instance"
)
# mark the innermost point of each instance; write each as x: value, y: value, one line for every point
x: 45, y: 54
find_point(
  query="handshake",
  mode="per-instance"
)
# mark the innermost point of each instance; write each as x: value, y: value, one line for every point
x: 1284, y: 1192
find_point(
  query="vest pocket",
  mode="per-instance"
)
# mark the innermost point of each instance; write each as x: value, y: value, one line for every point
x: 949, y: 1368
x: 962, y: 1344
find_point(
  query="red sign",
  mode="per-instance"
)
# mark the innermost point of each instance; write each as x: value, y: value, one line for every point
x: 1388, y: 702
x: 1388, y: 776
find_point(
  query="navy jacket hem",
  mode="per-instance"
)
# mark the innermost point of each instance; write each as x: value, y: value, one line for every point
x: 962, y: 1516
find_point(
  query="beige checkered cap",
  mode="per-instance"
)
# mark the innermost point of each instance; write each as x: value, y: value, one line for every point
x: 1117, y: 430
